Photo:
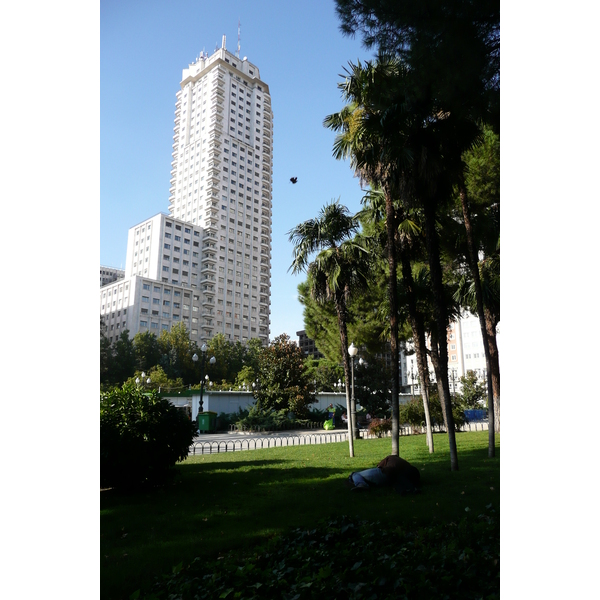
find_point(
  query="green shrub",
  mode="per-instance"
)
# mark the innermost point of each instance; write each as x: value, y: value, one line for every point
x: 413, y: 412
x: 224, y: 420
x: 259, y: 419
x: 142, y: 436
x: 380, y: 426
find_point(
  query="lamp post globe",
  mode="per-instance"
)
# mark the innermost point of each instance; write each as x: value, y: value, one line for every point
x: 204, y: 378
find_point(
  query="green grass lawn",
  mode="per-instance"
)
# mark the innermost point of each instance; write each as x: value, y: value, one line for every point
x: 232, y: 502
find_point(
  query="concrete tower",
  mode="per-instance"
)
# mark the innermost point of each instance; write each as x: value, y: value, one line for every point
x: 221, y: 180
x: 207, y: 263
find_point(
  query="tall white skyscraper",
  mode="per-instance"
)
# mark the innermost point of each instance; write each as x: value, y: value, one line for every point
x: 221, y: 187
x: 222, y: 181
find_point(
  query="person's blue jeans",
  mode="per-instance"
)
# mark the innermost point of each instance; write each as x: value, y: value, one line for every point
x: 369, y: 477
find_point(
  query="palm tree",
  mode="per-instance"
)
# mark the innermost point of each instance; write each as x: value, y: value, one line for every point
x: 339, y: 267
x: 407, y: 232
x: 395, y: 142
x: 363, y: 138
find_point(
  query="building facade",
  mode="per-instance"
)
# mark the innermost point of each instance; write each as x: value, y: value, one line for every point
x: 110, y: 274
x: 307, y: 345
x: 215, y: 242
x: 465, y: 353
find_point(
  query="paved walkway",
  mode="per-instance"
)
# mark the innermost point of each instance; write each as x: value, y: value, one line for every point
x: 209, y: 443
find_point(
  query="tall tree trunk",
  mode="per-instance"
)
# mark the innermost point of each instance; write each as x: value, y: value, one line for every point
x: 474, y: 266
x: 424, y: 375
x: 393, y: 302
x: 435, y: 360
x: 441, y: 319
x: 340, y: 306
x: 491, y: 322
x: 418, y: 332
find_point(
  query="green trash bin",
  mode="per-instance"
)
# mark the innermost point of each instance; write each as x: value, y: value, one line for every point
x: 207, y: 421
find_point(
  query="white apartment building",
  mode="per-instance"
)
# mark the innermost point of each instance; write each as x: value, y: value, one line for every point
x: 215, y: 243
x: 465, y: 353
x: 221, y: 180
x: 110, y: 274
x: 141, y: 304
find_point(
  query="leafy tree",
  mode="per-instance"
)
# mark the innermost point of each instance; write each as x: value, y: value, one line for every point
x: 246, y: 376
x: 223, y: 351
x: 412, y: 286
x: 472, y: 392
x: 479, y: 287
x: 375, y: 132
x: 364, y: 324
x: 372, y: 381
x: 105, y: 355
x: 176, y: 354
x: 323, y: 373
x: 147, y: 350
x: 451, y: 52
x: 158, y: 380
x: 253, y: 349
x: 339, y: 267
x: 452, y: 46
x: 282, y: 380
x: 123, y: 363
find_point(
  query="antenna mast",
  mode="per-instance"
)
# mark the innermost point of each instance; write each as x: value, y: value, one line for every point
x: 237, y: 52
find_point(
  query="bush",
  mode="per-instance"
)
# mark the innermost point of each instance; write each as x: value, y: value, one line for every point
x: 142, y: 436
x: 224, y: 420
x: 380, y: 426
x: 259, y: 419
x: 413, y: 412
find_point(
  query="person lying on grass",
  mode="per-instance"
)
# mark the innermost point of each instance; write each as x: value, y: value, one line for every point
x: 392, y: 471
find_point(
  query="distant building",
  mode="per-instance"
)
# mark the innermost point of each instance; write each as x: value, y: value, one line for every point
x: 465, y: 353
x: 109, y: 274
x: 307, y: 345
x: 207, y: 263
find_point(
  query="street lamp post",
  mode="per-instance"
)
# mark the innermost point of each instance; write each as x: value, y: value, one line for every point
x: 203, y: 377
x: 352, y: 351
x: 412, y: 379
x: 138, y: 380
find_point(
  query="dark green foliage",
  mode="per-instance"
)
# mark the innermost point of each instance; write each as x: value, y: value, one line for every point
x: 354, y: 559
x: 117, y: 361
x: 413, y: 412
x: 322, y: 373
x: 147, y: 350
x: 282, y: 380
x: 258, y: 419
x: 141, y: 437
x: 364, y: 325
x: 452, y: 47
x: 372, y: 382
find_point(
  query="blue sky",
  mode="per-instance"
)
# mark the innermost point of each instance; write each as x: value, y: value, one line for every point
x: 145, y: 45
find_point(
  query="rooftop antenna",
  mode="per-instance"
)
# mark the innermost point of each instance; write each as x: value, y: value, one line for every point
x: 237, y: 52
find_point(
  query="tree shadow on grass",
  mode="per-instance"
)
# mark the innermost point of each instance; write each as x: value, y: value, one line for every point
x: 234, y: 502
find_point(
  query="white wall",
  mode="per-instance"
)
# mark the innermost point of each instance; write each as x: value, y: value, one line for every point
x: 231, y: 402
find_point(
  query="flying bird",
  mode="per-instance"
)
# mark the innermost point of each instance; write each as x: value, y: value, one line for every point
x: 293, y: 179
